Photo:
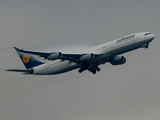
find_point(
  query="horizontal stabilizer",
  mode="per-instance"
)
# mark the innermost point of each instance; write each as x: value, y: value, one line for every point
x: 16, y: 70
x: 20, y: 70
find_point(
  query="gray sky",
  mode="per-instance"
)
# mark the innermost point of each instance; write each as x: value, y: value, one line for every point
x: 127, y: 92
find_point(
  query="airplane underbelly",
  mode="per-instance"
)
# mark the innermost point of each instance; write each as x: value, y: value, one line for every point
x: 124, y: 47
x: 102, y: 59
x: 117, y: 49
x: 59, y: 67
x: 64, y: 67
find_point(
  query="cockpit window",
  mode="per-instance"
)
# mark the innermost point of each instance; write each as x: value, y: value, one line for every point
x: 147, y: 34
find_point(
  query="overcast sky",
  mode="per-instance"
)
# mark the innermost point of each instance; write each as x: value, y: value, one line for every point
x: 127, y: 92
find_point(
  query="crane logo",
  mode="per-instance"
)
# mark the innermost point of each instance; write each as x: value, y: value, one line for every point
x: 26, y: 59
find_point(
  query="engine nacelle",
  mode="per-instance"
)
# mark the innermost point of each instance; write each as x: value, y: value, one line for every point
x: 55, y: 56
x: 87, y: 57
x: 118, y: 60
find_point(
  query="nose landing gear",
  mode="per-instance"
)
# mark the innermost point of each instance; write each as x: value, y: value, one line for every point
x: 145, y: 46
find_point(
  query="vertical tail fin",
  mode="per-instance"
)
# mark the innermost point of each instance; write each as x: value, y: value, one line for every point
x: 28, y: 60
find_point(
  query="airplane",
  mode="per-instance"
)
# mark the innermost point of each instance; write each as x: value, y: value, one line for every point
x: 63, y: 62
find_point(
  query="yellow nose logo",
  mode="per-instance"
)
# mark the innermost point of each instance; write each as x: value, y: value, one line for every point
x: 25, y: 58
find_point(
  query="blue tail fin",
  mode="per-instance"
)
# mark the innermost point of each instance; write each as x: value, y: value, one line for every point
x: 28, y: 60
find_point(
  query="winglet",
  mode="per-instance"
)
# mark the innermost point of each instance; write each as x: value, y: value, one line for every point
x: 17, y: 49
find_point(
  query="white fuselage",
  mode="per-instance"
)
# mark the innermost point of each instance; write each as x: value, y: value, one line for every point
x: 108, y: 51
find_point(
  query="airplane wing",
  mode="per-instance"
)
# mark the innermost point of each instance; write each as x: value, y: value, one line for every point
x: 41, y: 54
x: 59, y: 55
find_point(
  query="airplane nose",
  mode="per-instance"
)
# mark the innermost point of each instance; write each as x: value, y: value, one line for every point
x: 152, y: 36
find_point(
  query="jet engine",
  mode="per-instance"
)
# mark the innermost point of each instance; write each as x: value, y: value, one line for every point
x: 118, y: 60
x: 55, y: 56
x: 87, y: 57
